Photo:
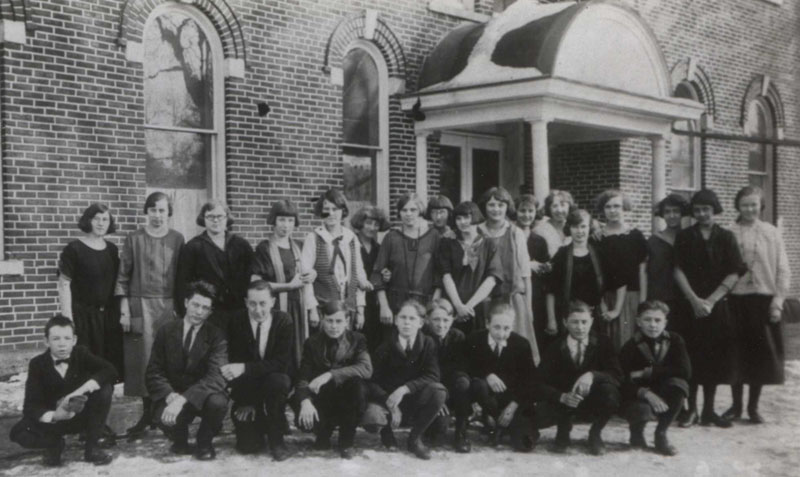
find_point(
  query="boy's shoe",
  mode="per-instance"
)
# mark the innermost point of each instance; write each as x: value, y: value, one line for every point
x: 387, y: 438
x: 52, y: 455
x: 280, y: 453
x: 97, y: 457
x: 663, y: 447
x: 713, y: 419
x: 416, y: 447
x: 596, y: 445
x: 181, y: 448
x: 732, y: 414
x: 637, y: 440
x: 755, y: 417
x: 690, y: 419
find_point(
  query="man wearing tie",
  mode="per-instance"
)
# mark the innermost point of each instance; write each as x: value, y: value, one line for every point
x: 260, y: 355
x: 183, y: 376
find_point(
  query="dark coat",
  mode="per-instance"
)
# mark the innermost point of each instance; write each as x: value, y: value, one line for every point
x: 671, y: 366
x: 394, y: 369
x: 514, y: 366
x: 450, y: 351
x: 559, y: 371
x: 45, y: 386
x: 352, y: 360
x: 277, y: 354
x: 194, y: 378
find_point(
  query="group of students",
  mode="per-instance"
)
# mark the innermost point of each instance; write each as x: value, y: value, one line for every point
x: 500, y: 283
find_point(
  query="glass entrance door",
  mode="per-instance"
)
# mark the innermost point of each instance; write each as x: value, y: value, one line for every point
x: 469, y: 165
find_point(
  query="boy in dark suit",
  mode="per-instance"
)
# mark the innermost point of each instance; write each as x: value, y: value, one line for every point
x: 581, y: 374
x: 657, y: 369
x: 330, y: 387
x: 406, y: 379
x: 260, y: 355
x: 450, y: 349
x: 68, y: 391
x: 183, y: 376
x: 500, y: 365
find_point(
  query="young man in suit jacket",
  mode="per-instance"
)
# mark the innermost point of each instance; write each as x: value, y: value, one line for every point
x: 183, y: 376
x: 330, y: 387
x: 657, y: 369
x: 500, y: 365
x: 581, y: 373
x: 406, y: 379
x: 68, y: 391
x: 260, y: 355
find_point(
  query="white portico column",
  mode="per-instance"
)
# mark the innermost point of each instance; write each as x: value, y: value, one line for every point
x: 541, y: 159
x: 422, y: 164
x: 659, y: 173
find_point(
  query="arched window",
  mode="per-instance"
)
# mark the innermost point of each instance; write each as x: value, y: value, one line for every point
x: 685, y: 151
x: 184, y: 110
x: 760, y: 123
x: 365, y: 125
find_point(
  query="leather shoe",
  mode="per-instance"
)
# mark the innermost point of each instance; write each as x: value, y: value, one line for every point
x: 663, y: 446
x: 322, y: 443
x: 416, y: 447
x: 181, y: 448
x: 346, y: 452
x: 52, y: 455
x: 689, y: 419
x: 462, y: 444
x: 205, y: 453
x: 97, y: 457
x: 561, y: 444
x: 596, y: 445
x: 732, y: 414
x: 280, y: 453
x: 637, y: 440
x: 714, y: 420
x: 755, y: 417
x: 387, y: 438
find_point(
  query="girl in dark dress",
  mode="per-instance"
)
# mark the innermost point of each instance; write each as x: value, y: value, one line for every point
x: 470, y: 268
x: 527, y: 218
x: 88, y: 270
x: 277, y: 261
x: 219, y: 257
x: 623, y: 254
x: 757, y: 301
x: 661, y: 255
x: 367, y: 222
x: 576, y: 275
x: 707, y: 265
x: 440, y: 214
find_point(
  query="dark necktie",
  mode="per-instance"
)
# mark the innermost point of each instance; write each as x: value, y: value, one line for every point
x: 337, y: 252
x: 579, y: 354
x: 408, y: 347
x: 187, y: 342
x: 497, y: 350
x: 333, y: 347
x: 258, y: 340
x: 61, y: 361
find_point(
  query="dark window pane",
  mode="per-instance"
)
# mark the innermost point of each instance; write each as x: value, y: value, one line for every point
x: 450, y: 173
x: 757, y: 160
x: 485, y: 171
x: 359, y: 175
x: 360, y: 100
x: 177, y: 160
x: 178, y: 86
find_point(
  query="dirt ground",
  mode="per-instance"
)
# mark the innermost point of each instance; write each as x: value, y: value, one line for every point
x: 771, y: 449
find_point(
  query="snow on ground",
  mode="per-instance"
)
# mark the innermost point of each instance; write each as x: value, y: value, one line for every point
x: 772, y: 449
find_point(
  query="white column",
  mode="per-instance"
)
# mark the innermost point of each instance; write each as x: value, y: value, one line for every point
x: 659, y: 173
x: 541, y: 159
x: 422, y: 164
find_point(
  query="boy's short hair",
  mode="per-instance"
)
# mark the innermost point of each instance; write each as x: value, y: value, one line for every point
x: 501, y: 308
x: 651, y: 305
x: 440, y: 303
x: 202, y: 288
x: 58, y: 320
x: 416, y: 305
x: 260, y: 285
x: 578, y: 306
x: 332, y: 307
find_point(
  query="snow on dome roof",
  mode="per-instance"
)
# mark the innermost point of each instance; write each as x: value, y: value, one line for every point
x: 510, y: 46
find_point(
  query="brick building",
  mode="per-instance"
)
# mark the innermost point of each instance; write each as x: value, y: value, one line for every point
x: 254, y: 100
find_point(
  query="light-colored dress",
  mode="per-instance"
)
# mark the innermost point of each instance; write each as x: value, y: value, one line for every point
x: 148, y: 266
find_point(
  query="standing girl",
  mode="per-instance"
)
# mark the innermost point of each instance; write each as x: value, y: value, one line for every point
x: 661, y: 254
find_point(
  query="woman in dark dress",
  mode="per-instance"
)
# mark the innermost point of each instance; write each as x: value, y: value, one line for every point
x: 277, y: 262
x: 408, y: 254
x: 470, y: 268
x: 623, y: 254
x: 576, y: 275
x: 219, y: 257
x: 707, y: 265
x: 88, y: 270
x: 661, y: 254
x: 367, y: 222
x: 757, y: 301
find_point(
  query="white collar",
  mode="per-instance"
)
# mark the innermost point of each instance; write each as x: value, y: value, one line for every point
x: 409, y: 341
x: 492, y: 233
x: 347, y: 235
x: 254, y: 324
x: 493, y: 343
x: 572, y: 342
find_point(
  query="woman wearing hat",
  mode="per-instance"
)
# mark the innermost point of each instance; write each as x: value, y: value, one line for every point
x: 277, y: 261
x: 707, y: 265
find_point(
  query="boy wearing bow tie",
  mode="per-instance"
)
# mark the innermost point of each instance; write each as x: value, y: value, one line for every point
x: 68, y: 391
x: 656, y: 367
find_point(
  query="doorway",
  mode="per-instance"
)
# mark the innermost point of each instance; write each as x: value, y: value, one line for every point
x: 470, y: 164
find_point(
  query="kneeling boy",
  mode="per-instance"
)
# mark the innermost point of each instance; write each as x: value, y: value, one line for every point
x: 583, y: 375
x: 330, y: 388
x: 68, y: 391
x: 657, y: 368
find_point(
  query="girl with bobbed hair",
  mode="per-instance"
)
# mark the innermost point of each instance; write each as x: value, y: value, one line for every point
x: 757, y: 301
x: 557, y: 205
x: 440, y: 213
x: 708, y: 264
x: 146, y: 287
x: 334, y: 253
x: 368, y: 221
x: 527, y: 213
x: 470, y: 268
x: 408, y: 254
x: 623, y: 254
x: 277, y: 261
x: 515, y: 285
x: 219, y: 257
x: 661, y: 253
x: 88, y: 269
